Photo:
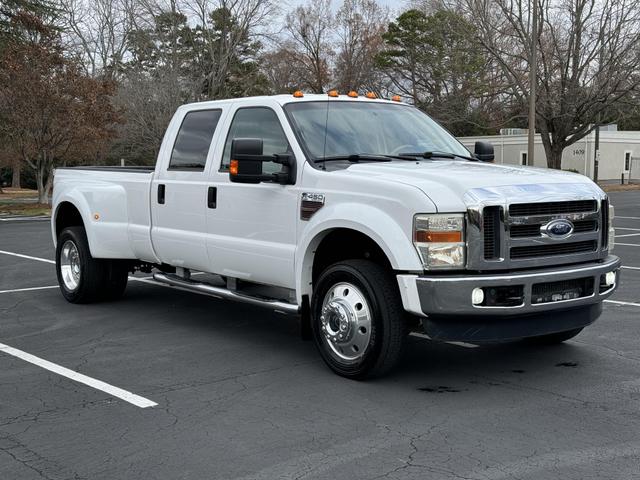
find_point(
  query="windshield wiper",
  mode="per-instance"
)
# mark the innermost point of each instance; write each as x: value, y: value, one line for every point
x: 353, y: 158
x: 435, y: 154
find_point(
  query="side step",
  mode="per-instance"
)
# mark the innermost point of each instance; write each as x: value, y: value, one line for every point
x: 219, y: 292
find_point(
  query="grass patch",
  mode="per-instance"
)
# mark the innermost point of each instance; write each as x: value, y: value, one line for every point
x: 26, y: 209
x: 620, y: 188
x: 8, y: 193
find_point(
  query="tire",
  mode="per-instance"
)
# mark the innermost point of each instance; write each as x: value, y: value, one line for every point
x: 117, y: 277
x: 82, y: 278
x: 359, y: 300
x: 553, y: 338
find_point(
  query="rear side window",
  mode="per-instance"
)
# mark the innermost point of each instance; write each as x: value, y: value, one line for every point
x: 194, y: 139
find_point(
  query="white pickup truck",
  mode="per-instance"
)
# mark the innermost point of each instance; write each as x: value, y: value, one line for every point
x: 362, y: 216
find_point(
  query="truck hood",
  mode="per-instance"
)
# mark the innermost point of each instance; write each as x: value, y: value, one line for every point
x: 453, y: 185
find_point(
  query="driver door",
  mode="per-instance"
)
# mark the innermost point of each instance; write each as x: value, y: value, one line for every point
x: 251, y: 234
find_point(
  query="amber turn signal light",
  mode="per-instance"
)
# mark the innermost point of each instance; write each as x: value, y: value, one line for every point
x: 427, y: 236
x: 233, y: 167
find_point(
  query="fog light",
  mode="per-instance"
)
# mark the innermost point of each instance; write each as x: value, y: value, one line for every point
x: 477, y: 296
x: 610, y: 279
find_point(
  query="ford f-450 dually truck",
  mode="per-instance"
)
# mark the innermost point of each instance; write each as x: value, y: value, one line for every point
x: 363, y: 216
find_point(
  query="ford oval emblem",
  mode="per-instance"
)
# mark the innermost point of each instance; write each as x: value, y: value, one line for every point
x: 560, y: 228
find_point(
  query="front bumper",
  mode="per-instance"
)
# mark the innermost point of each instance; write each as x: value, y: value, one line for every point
x: 444, y: 299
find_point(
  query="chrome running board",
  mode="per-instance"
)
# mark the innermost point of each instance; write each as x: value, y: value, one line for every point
x: 220, y: 292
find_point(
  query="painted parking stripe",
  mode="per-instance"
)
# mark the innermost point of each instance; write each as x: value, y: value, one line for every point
x: 628, y: 235
x: 28, y: 257
x: 457, y: 344
x: 618, y: 302
x: 28, y: 289
x: 630, y: 268
x: 627, y: 244
x: 632, y: 218
x: 132, y: 398
x: 626, y: 228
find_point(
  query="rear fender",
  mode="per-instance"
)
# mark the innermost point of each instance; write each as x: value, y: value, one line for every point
x: 103, y: 208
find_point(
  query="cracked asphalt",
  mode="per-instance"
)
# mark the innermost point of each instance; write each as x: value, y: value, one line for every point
x: 240, y: 396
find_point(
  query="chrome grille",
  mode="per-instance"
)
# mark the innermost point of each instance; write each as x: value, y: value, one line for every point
x: 491, y: 232
x: 557, y: 249
x: 512, y: 236
x: 552, y: 208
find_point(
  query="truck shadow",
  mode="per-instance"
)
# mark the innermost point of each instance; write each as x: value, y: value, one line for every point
x: 428, y: 367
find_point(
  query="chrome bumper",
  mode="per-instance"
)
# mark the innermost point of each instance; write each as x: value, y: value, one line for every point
x: 450, y: 295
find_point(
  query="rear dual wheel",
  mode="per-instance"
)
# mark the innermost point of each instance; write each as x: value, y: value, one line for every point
x: 357, y: 319
x: 82, y: 278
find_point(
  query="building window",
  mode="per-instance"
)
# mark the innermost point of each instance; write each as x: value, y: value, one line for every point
x: 627, y: 161
x: 523, y: 158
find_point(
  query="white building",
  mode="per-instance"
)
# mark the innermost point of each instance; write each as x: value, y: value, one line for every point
x: 617, y: 149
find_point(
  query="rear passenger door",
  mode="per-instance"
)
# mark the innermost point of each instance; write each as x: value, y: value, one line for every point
x: 180, y: 190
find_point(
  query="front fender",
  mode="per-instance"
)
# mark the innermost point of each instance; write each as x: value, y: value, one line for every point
x: 378, y: 225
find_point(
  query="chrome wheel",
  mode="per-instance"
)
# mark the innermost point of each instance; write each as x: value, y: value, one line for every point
x: 345, y: 322
x: 70, y: 265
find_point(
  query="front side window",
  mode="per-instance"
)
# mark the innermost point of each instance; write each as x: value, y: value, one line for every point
x: 194, y: 139
x: 329, y: 128
x: 258, y: 122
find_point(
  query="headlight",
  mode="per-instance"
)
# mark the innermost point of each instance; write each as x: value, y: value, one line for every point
x: 612, y: 232
x: 439, y: 240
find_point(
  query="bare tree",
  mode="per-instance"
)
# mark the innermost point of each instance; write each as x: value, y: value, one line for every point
x: 99, y: 31
x: 309, y: 28
x: 588, y: 60
x: 230, y: 32
x: 359, y: 25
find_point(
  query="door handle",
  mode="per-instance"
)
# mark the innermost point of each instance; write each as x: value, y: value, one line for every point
x: 212, y: 197
x: 161, y: 189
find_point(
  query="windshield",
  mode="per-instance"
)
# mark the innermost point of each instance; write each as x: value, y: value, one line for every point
x: 354, y: 128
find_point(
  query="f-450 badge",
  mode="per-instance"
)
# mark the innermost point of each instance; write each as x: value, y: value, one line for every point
x: 311, y: 203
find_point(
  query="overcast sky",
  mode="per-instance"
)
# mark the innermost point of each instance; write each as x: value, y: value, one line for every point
x: 394, y: 5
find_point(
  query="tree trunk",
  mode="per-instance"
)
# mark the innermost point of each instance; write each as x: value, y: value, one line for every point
x: 15, y: 175
x: 40, y: 179
x: 554, y: 156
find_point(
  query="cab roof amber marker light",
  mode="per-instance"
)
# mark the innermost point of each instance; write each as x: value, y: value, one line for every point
x: 371, y: 95
x: 353, y: 94
x: 333, y: 93
x: 396, y: 98
x: 298, y: 94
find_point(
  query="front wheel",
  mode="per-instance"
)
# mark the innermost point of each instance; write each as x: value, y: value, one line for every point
x: 357, y: 319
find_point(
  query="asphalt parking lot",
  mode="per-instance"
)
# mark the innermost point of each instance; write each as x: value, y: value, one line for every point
x: 235, y: 394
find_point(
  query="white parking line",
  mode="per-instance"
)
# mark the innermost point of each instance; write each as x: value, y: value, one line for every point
x: 132, y: 398
x: 38, y: 259
x: 457, y: 344
x: 25, y: 219
x: 618, y: 302
x: 628, y: 235
x: 632, y: 218
x: 627, y: 244
x: 630, y: 268
x: 626, y: 228
x: 28, y: 289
